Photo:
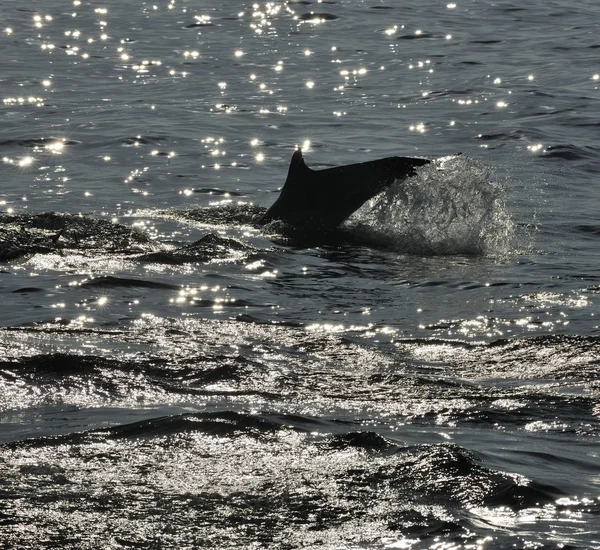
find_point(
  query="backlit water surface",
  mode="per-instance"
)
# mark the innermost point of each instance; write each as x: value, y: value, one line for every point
x: 174, y: 376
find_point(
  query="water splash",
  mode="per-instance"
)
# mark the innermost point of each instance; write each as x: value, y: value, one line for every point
x: 452, y: 206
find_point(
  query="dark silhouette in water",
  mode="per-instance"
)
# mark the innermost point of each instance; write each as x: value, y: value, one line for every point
x: 323, y: 199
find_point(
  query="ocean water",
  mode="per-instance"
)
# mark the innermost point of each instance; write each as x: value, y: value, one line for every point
x: 172, y: 375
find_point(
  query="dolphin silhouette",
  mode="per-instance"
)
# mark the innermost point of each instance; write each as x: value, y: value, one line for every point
x: 323, y: 199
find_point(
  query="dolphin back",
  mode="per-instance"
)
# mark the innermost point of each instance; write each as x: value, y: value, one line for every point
x: 323, y: 199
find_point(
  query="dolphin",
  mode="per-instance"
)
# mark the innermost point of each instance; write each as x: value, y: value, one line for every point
x: 323, y: 199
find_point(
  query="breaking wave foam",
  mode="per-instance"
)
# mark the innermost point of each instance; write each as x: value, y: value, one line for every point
x: 452, y: 206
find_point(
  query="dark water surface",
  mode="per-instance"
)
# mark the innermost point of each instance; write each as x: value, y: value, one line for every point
x: 173, y: 376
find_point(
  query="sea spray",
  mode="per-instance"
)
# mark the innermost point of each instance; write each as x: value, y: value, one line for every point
x: 452, y: 206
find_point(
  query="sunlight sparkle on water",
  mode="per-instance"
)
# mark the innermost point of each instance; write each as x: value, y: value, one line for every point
x: 37, y: 101
x: 25, y: 161
x: 38, y: 20
x: 417, y: 128
x: 325, y: 327
x: 56, y: 147
x: 202, y: 19
x: 402, y: 544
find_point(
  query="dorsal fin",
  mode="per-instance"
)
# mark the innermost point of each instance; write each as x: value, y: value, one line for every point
x: 297, y: 168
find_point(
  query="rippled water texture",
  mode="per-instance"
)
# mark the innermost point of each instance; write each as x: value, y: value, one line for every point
x: 175, y: 375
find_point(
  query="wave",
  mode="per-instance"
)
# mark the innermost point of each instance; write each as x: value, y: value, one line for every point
x: 350, y: 464
x: 230, y: 214
x: 48, y: 233
x: 523, y: 385
x: 22, y: 234
x: 110, y: 281
x: 208, y: 248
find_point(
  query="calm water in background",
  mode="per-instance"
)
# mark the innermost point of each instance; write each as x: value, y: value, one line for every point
x: 172, y: 376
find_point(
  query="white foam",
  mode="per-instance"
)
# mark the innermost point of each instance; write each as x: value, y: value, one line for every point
x: 452, y: 206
